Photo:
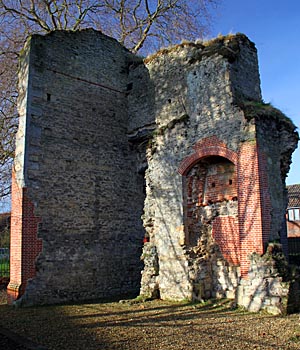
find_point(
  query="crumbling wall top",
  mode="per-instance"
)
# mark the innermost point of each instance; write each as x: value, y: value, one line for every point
x: 227, y: 46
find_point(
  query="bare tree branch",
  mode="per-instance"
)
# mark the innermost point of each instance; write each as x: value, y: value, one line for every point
x: 141, y: 25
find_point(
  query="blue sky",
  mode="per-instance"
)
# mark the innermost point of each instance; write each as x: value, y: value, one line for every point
x: 274, y: 27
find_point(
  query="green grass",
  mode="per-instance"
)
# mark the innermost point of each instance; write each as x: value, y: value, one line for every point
x: 4, y: 268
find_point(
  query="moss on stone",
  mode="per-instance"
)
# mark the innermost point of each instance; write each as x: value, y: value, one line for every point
x: 261, y: 110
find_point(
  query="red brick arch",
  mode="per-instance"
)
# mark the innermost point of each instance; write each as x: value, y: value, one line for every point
x: 210, y: 146
x: 225, y: 230
x: 253, y: 224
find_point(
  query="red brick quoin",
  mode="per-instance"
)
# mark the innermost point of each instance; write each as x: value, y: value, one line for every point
x: 25, y: 246
x: 238, y: 237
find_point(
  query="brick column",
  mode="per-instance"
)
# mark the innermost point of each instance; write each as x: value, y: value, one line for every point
x: 265, y: 197
x: 24, y: 244
x: 250, y: 206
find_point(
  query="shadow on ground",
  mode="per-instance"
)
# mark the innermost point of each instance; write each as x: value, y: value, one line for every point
x: 150, y: 325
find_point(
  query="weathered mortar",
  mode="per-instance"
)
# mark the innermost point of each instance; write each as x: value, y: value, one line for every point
x: 102, y: 120
x: 193, y: 83
x: 80, y: 169
x: 198, y: 92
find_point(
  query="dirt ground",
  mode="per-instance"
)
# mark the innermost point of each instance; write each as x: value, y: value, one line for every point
x: 147, y: 326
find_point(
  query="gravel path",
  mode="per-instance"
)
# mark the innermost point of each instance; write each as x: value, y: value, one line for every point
x: 12, y: 341
x: 7, y: 343
x: 151, y: 325
x: 9, y: 340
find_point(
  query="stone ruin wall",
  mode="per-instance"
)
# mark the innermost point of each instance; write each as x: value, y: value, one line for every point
x: 194, y: 100
x: 195, y: 222
x: 98, y: 121
x: 78, y: 169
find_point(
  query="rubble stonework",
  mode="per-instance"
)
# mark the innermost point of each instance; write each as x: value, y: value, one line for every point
x: 181, y: 139
x: 269, y: 285
x: 79, y: 171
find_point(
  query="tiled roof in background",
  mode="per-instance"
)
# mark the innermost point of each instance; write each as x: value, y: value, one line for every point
x: 293, y: 195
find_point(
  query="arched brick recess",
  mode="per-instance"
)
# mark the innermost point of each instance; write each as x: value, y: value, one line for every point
x: 207, y: 147
x: 219, y: 188
x: 250, y: 231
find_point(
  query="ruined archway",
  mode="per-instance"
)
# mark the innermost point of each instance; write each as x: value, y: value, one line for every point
x: 211, y: 206
x: 210, y: 197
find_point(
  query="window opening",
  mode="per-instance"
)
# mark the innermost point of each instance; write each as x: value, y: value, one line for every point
x: 294, y: 214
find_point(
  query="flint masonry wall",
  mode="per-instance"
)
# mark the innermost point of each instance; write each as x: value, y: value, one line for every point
x: 194, y: 100
x: 181, y: 137
x: 78, y: 169
x: 212, y: 197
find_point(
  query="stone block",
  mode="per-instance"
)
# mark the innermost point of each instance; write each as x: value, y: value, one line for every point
x: 254, y: 304
x: 274, y: 310
x: 230, y: 294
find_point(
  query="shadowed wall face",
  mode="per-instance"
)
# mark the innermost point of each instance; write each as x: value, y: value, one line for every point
x: 105, y: 135
x: 79, y: 169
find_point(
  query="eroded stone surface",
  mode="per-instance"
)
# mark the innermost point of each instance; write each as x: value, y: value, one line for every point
x: 106, y: 138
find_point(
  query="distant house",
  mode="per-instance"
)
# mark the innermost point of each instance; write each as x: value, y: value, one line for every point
x: 293, y: 211
x: 293, y: 223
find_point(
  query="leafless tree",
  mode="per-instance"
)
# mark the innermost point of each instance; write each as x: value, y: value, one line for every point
x: 140, y: 25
